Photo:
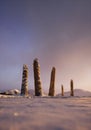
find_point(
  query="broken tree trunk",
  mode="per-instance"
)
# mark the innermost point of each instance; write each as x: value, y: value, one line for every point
x: 52, y: 83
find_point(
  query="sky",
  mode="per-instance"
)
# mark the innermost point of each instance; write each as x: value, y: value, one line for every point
x: 57, y: 32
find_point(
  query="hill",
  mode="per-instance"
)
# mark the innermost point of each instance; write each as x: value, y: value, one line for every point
x: 77, y: 92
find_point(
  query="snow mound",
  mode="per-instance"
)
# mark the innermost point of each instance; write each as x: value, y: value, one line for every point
x: 11, y: 92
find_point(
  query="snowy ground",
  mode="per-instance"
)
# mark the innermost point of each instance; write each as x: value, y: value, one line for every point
x: 45, y: 113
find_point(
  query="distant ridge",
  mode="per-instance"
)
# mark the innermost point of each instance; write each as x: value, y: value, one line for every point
x: 77, y: 92
x: 31, y: 92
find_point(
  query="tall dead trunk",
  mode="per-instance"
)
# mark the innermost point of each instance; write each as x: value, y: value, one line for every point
x: 24, y: 86
x: 52, y: 83
x: 37, y: 81
x: 72, y: 88
x: 62, y: 90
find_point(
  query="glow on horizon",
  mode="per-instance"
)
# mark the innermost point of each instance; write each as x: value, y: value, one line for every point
x: 58, y: 33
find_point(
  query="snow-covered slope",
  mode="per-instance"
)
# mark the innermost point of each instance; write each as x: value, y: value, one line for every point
x: 77, y: 92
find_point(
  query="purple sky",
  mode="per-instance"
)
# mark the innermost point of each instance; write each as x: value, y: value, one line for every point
x: 57, y: 32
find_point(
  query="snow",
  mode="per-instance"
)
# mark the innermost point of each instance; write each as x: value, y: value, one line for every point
x: 11, y: 92
x: 45, y: 113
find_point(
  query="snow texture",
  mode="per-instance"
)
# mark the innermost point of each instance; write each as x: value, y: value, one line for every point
x: 45, y: 113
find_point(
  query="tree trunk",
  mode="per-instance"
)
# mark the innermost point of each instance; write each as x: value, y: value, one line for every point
x: 52, y: 83
x: 37, y: 81
x: 24, y: 87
